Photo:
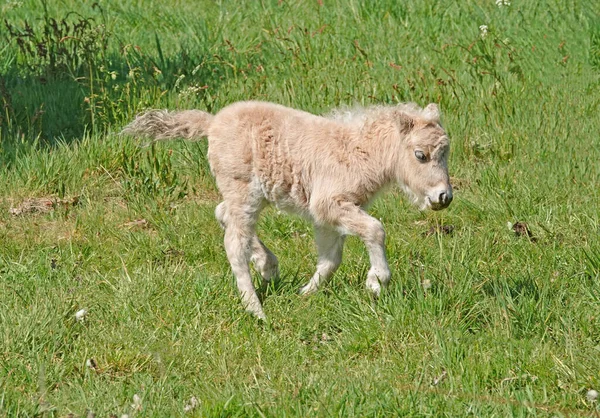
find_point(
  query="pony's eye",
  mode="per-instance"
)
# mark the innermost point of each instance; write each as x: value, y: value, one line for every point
x: 420, y: 156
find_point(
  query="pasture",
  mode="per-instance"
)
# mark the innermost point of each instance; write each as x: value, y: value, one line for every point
x: 494, y: 304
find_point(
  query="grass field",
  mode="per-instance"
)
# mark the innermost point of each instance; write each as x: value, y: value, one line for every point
x: 479, y: 322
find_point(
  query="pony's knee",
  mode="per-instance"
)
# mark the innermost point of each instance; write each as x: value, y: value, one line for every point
x: 374, y: 231
x: 237, y: 243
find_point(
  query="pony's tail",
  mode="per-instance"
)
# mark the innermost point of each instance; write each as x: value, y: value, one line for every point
x: 163, y: 125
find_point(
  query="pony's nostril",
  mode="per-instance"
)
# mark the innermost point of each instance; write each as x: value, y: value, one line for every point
x: 445, y: 198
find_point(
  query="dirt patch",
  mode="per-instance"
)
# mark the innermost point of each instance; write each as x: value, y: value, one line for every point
x: 42, y: 205
x: 440, y: 229
x: 521, y: 229
x: 459, y: 183
x: 138, y: 223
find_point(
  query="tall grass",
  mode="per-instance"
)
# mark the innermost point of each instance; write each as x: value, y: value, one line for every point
x: 481, y: 321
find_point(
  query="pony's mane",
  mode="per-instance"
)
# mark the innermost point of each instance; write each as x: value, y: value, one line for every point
x: 358, y: 115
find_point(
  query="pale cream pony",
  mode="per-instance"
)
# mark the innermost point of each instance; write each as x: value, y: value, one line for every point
x: 326, y: 169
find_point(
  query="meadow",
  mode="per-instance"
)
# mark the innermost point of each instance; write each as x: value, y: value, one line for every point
x: 482, y: 317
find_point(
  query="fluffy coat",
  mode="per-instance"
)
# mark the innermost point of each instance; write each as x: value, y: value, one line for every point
x: 326, y: 169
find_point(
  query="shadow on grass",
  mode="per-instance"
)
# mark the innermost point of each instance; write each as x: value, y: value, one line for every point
x: 64, y: 77
x: 288, y: 283
x: 66, y: 106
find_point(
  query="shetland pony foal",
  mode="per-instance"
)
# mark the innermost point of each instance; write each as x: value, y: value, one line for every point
x: 324, y: 168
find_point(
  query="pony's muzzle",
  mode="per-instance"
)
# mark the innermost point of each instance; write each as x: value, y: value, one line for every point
x: 444, y: 198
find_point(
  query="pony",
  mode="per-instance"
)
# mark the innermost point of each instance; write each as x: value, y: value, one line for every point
x: 324, y: 168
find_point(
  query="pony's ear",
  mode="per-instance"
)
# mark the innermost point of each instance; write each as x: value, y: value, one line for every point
x: 405, y: 123
x: 432, y: 111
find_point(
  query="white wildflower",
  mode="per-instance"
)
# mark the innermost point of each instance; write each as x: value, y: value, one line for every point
x: 191, y: 90
x: 439, y: 379
x: 137, y: 403
x: 484, y: 30
x: 501, y: 3
x: 192, y: 404
x: 592, y: 395
x: 80, y: 315
x: 426, y: 284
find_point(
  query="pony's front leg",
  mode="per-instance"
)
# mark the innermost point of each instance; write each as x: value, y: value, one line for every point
x: 352, y: 219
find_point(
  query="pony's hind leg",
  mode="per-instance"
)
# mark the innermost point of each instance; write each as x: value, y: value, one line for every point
x: 239, y: 222
x: 265, y: 262
x: 330, y: 245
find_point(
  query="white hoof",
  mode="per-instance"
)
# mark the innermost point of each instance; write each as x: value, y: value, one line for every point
x: 257, y: 313
x: 375, y: 279
x: 254, y: 307
x: 309, y: 289
x: 373, y: 286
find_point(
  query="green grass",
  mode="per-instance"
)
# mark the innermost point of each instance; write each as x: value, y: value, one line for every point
x: 509, y: 327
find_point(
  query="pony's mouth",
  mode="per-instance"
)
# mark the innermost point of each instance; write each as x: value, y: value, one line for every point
x: 428, y: 204
x: 438, y: 206
x: 424, y: 202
